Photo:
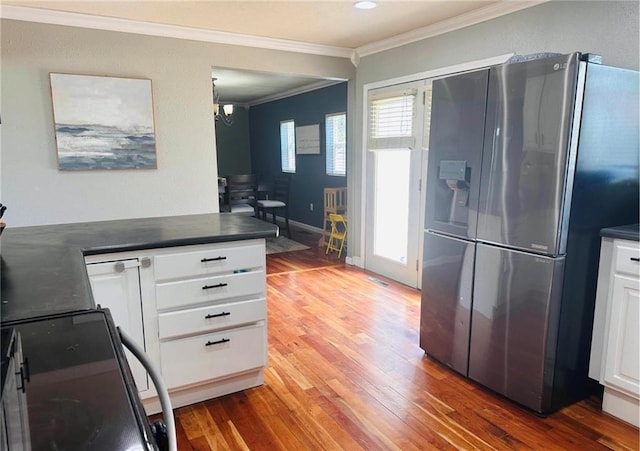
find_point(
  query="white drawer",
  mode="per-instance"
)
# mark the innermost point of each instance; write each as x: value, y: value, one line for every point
x: 211, y: 318
x: 210, y: 356
x: 207, y: 289
x: 223, y: 257
x: 627, y: 258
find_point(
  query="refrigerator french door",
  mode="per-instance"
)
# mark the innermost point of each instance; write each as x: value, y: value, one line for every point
x: 516, y: 300
x: 447, y: 284
x: 528, y: 160
x: 455, y: 154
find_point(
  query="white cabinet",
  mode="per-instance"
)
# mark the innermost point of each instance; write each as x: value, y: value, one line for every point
x: 116, y: 285
x: 615, y: 353
x: 621, y: 368
x: 200, y: 312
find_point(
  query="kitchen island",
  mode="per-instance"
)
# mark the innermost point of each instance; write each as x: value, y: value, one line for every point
x: 191, y: 290
x: 42, y: 269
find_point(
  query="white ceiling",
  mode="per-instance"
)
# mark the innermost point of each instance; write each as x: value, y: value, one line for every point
x: 324, y: 27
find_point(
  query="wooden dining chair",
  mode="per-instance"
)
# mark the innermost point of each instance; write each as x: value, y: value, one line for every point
x: 241, y: 194
x: 278, y: 201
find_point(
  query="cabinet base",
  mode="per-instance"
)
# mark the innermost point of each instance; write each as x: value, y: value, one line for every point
x: 181, y: 397
x: 621, y: 406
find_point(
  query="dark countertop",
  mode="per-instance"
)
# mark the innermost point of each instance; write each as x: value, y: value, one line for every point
x: 626, y: 232
x: 42, y: 269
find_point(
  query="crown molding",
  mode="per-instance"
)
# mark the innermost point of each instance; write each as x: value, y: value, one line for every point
x: 170, y: 31
x: 296, y: 91
x: 455, y: 23
x: 220, y: 37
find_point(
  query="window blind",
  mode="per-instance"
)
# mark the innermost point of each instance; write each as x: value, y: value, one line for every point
x: 288, y: 146
x: 336, y: 143
x: 392, y: 117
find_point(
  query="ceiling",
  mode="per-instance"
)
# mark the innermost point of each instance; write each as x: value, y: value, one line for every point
x: 245, y: 87
x: 332, y: 26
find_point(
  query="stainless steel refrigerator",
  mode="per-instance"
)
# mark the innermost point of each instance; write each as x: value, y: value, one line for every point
x: 527, y: 161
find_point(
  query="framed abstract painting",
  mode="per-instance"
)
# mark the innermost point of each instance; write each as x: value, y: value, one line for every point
x: 103, y: 122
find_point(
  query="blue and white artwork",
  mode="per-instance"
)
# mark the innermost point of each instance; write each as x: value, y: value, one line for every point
x: 103, y: 122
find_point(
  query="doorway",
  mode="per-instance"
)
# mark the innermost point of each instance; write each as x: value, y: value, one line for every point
x: 397, y: 144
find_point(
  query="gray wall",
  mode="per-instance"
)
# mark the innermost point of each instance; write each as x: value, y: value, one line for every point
x: 186, y: 179
x: 609, y: 28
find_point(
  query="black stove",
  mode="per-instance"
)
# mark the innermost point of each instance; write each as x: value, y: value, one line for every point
x: 80, y: 394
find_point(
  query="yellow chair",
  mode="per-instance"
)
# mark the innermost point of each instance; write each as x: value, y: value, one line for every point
x: 338, y: 233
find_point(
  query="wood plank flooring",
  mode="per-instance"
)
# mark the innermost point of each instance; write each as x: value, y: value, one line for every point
x: 346, y: 372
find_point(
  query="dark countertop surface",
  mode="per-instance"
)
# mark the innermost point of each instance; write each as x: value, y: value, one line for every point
x: 626, y: 232
x: 42, y: 269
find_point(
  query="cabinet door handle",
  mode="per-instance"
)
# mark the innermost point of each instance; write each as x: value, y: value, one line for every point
x: 25, y: 366
x: 214, y: 259
x: 23, y: 380
x: 218, y: 285
x: 217, y: 315
x: 635, y: 259
x: 211, y: 343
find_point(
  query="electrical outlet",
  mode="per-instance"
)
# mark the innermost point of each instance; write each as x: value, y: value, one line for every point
x: 311, y: 207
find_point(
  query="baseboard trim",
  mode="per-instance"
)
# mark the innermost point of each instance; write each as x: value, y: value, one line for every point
x: 301, y: 225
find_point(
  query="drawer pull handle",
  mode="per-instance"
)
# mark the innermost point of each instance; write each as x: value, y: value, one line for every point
x: 211, y: 343
x: 635, y: 259
x: 218, y: 285
x: 217, y: 315
x: 214, y: 259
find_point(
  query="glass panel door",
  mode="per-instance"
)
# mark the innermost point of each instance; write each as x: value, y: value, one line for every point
x: 393, y: 170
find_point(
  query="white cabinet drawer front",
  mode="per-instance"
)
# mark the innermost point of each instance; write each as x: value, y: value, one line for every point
x: 210, y: 318
x: 210, y: 356
x: 198, y: 291
x: 218, y: 258
x: 628, y: 258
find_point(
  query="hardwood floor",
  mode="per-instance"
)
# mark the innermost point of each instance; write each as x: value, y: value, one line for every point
x: 345, y: 372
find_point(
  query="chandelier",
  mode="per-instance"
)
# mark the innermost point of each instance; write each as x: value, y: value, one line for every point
x: 224, y: 114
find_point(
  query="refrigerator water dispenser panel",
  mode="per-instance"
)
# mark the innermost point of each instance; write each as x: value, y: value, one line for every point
x: 453, y: 170
x: 456, y: 175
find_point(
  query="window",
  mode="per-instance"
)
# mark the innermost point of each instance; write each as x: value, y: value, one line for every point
x: 391, y: 120
x: 336, y: 143
x: 288, y: 146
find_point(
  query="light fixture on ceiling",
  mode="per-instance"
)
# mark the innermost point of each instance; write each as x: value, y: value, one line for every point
x: 365, y: 4
x: 224, y: 114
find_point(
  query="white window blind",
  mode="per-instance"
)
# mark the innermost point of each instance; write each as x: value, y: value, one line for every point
x: 288, y: 146
x: 336, y: 143
x: 392, y: 117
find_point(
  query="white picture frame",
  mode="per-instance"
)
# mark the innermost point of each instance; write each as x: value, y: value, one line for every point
x: 308, y: 140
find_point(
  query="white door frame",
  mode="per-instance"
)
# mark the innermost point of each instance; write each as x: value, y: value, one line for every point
x: 434, y: 73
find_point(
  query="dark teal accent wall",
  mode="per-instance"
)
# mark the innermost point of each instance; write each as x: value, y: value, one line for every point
x: 310, y: 179
x: 232, y: 144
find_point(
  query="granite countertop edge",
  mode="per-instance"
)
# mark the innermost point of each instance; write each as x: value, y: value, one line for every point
x: 626, y: 232
x: 140, y: 246
x: 43, y: 270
